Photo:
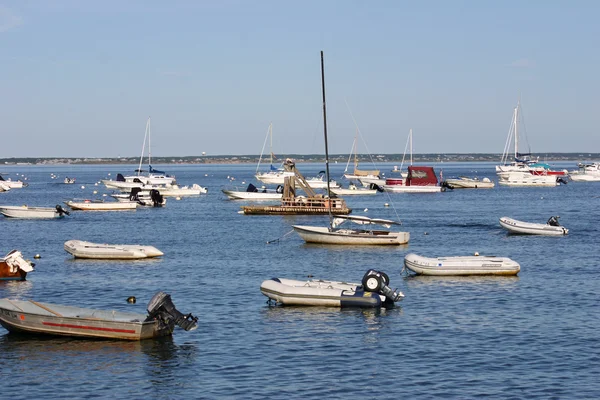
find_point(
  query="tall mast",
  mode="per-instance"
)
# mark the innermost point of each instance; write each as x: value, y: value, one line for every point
x: 516, y: 130
x: 411, y: 146
x: 149, y: 147
x: 271, y: 134
x: 325, y: 135
x: 144, y: 146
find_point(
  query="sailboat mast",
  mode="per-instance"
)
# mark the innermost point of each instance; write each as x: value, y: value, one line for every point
x: 139, y: 170
x: 271, y: 147
x: 411, y: 147
x: 325, y: 133
x: 516, y: 131
x: 149, y: 148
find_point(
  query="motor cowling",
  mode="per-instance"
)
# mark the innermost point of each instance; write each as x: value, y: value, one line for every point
x: 377, y: 282
x: 161, y: 307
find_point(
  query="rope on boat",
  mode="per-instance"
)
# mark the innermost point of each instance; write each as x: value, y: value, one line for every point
x: 278, y: 239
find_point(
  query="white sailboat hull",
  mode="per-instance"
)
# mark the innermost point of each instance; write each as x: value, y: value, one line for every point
x: 101, y: 206
x: 529, y: 228
x: 322, y: 235
x: 527, y: 179
x: 461, y: 265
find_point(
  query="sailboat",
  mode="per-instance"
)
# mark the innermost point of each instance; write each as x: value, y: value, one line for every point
x: 357, y: 173
x: 335, y: 235
x: 274, y: 175
x: 522, y: 165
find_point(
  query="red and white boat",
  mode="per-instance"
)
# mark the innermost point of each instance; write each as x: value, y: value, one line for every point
x: 419, y: 180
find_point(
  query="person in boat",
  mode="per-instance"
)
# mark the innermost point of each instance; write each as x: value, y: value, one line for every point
x: 553, y: 221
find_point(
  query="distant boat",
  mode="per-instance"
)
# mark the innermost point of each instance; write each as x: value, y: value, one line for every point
x: 526, y: 178
x: 254, y: 193
x: 100, y: 205
x: 10, y: 184
x: 419, y: 180
x: 464, y: 182
x: 550, y: 228
x: 373, y: 292
x: 353, y: 190
x: 14, y: 267
x: 358, y: 173
x: 461, y: 265
x: 34, y: 317
x: 27, y: 212
x: 69, y: 181
x: 81, y: 249
x: 589, y: 172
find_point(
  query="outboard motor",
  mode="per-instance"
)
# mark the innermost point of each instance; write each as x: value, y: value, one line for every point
x: 134, y: 195
x: 162, y: 308
x: 251, y: 188
x: 61, y: 210
x: 376, y: 187
x: 377, y: 282
x: 279, y: 189
x: 553, y: 221
x: 156, y: 197
x: 120, y: 178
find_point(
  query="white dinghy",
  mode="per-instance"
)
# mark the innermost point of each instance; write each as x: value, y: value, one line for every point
x: 373, y: 292
x: 550, y: 228
x: 461, y: 265
x: 81, y: 249
x: 27, y: 212
x: 100, y: 205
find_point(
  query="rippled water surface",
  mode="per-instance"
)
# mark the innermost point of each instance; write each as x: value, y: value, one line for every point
x: 534, y: 336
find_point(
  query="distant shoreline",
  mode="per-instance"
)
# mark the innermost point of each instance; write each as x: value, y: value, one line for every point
x: 300, y: 158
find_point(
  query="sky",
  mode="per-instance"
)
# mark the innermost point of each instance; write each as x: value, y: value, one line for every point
x: 81, y: 78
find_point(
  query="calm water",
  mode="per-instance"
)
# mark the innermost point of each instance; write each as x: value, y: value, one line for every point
x: 534, y: 336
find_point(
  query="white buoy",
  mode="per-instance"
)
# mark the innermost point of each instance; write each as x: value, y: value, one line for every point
x: 103, y: 194
x: 366, y: 209
x: 386, y: 205
x: 96, y: 184
x: 37, y: 256
x: 476, y: 253
x: 95, y: 192
x: 109, y: 174
x: 83, y: 187
x: 426, y: 233
x: 177, y: 198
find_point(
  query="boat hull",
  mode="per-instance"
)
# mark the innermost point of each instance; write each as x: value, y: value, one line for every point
x: 527, y: 228
x: 461, y: 265
x: 467, y: 183
x: 13, y: 267
x: 81, y: 249
x: 243, y: 195
x: 322, y: 235
x: 101, y: 206
x: 319, y: 293
x: 48, y: 319
x: 353, y: 192
x: 30, y: 212
x: 412, y: 189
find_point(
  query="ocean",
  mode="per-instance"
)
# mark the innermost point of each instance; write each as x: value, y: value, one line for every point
x: 534, y: 336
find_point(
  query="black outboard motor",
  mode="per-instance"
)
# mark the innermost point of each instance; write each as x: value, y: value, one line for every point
x: 134, y: 195
x: 377, y: 281
x: 376, y: 187
x: 553, y: 221
x: 156, y: 197
x: 279, y: 189
x: 162, y: 308
x: 61, y: 210
x: 251, y: 188
x: 120, y: 178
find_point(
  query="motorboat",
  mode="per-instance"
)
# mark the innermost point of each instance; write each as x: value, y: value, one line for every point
x: 319, y: 182
x: 254, y: 193
x: 353, y: 190
x: 10, y: 184
x: 419, y: 180
x: 528, y: 179
x: 461, y: 265
x: 333, y: 234
x: 25, y: 211
x: 14, y: 267
x: 372, y: 292
x: 32, y: 317
x: 587, y: 172
x: 176, y: 190
x: 100, y: 205
x: 463, y: 182
x: 550, y: 228
x: 81, y: 249
x: 151, y: 198
x: 69, y: 181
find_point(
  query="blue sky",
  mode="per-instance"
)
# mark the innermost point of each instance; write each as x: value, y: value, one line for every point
x: 80, y: 78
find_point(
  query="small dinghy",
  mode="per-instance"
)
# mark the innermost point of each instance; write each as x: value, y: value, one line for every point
x: 81, y: 249
x: 373, y: 292
x: 27, y: 212
x: 14, y: 267
x: 461, y: 265
x: 52, y: 319
x: 100, y: 205
x: 550, y: 228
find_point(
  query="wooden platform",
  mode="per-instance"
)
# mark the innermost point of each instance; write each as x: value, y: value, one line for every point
x: 292, y: 210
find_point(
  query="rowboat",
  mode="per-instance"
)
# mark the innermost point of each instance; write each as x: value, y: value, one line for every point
x: 14, y: 267
x: 81, y: 249
x: 99, y: 205
x: 550, y: 228
x: 461, y: 265
x: 33, y: 212
x: 29, y: 316
x: 373, y: 292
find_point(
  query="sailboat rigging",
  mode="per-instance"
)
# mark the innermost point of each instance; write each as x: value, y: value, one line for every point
x: 332, y: 234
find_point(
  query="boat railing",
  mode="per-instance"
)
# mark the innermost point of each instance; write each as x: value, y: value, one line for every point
x: 312, y: 202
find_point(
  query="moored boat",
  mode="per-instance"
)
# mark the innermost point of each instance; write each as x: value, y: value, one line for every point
x: 254, y: 193
x: 14, y: 267
x: 81, y: 249
x: 550, y: 228
x: 99, y: 205
x: 463, y: 182
x: 21, y: 316
x: 461, y: 265
x: 27, y: 212
x: 373, y: 292
x: 419, y: 180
